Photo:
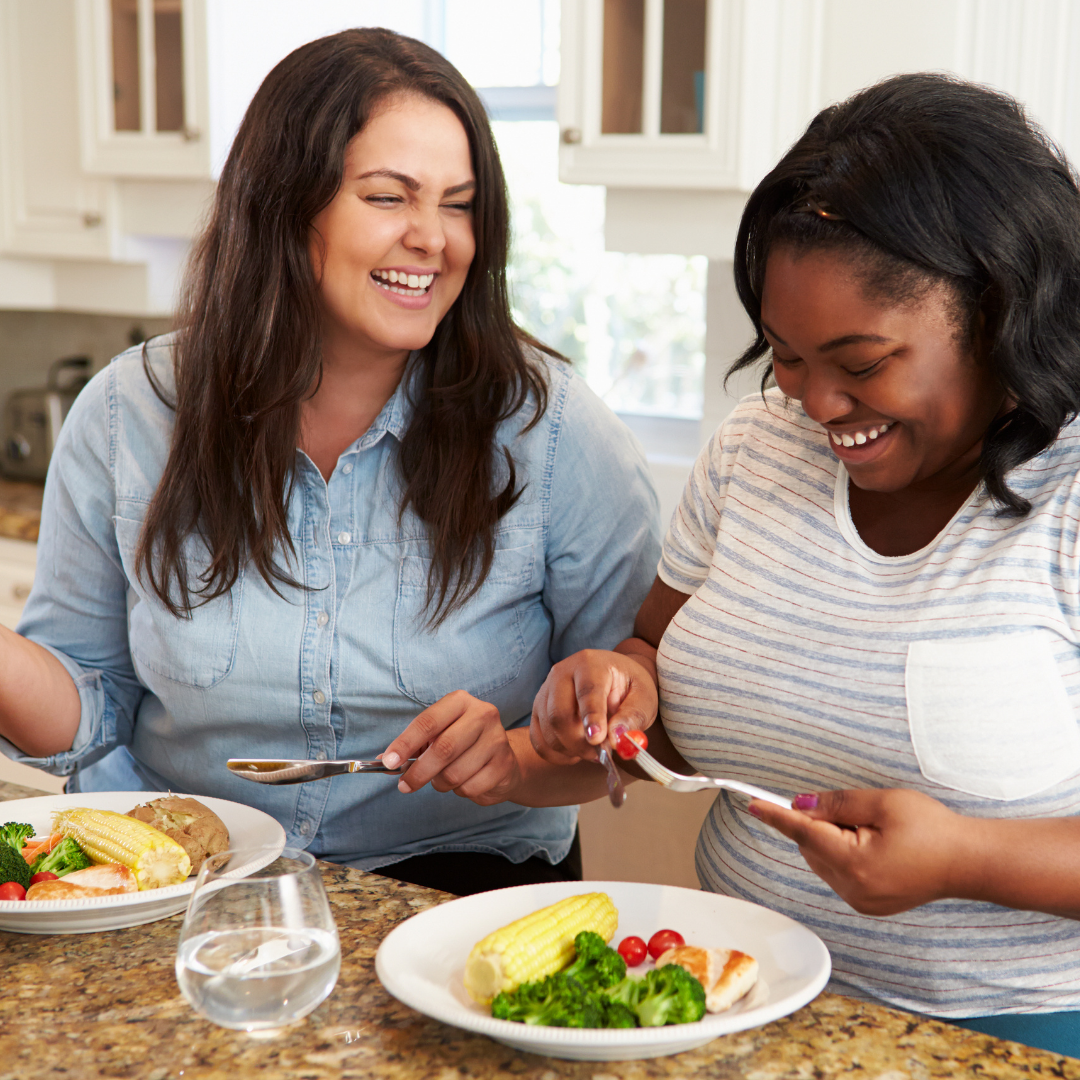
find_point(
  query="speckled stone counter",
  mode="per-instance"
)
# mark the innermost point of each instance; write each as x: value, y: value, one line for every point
x: 20, y: 509
x: 107, y: 1005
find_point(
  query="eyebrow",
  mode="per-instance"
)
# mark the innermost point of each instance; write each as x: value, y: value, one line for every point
x: 837, y: 343
x: 413, y: 184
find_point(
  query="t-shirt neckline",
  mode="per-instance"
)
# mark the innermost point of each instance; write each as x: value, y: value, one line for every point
x: 842, y: 513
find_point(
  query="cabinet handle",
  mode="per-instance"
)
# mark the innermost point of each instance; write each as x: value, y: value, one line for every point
x: 571, y: 136
x: 91, y: 219
x: 191, y: 134
x: 20, y: 592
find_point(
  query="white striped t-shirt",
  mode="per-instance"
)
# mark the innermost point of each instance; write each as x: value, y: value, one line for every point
x: 805, y: 661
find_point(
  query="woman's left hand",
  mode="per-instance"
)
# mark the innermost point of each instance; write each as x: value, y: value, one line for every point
x: 882, y: 851
x: 461, y: 746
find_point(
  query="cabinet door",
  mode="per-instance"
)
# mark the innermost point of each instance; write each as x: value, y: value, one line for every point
x: 48, y: 207
x: 647, y: 92
x: 143, y: 88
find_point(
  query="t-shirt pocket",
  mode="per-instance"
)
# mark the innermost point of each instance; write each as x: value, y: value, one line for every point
x: 991, y: 717
x: 196, y: 651
x: 478, y: 647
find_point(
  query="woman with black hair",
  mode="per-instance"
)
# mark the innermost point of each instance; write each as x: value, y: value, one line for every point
x: 869, y: 598
x: 348, y: 499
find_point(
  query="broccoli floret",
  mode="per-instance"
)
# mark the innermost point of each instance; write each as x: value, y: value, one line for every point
x: 669, y: 995
x: 13, y: 866
x: 596, y: 965
x: 616, y: 1015
x: 625, y: 992
x: 15, y: 834
x: 65, y: 858
x: 556, y: 1001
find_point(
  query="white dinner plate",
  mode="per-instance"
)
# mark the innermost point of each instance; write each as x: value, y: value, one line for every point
x: 422, y: 961
x: 247, y: 827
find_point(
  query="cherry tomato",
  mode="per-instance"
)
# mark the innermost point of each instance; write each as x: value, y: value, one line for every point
x: 12, y: 890
x: 663, y: 940
x: 628, y: 743
x: 632, y: 950
x: 44, y: 875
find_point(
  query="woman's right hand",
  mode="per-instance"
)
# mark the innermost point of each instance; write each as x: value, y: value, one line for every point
x: 587, y: 693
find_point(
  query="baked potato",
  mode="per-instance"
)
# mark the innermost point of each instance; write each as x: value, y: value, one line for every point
x: 195, y: 827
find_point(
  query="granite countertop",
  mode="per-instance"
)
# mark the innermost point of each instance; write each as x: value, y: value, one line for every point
x: 20, y: 509
x: 107, y: 1005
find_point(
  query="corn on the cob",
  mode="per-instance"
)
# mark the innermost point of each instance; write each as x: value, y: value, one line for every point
x: 537, y: 945
x: 154, y: 858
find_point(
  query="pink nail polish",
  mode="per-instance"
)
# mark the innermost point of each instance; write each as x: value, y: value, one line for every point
x: 754, y: 810
x: 804, y: 802
x: 591, y: 730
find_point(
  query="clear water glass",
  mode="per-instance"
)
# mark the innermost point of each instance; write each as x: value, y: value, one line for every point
x: 259, y: 948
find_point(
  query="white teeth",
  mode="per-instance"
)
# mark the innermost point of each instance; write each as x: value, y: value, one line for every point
x: 859, y: 438
x: 417, y: 284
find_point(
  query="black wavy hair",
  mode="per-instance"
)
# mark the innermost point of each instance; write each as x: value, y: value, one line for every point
x: 928, y: 179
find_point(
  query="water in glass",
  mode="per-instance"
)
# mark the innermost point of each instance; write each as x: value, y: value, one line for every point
x: 258, y: 951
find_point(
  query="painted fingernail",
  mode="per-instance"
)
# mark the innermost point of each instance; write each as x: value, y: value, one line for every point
x: 804, y: 802
x: 754, y: 810
x: 391, y: 760
x: 591, y: 729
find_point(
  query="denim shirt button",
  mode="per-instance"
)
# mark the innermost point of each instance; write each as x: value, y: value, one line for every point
x: 343, y: 537
x: 318, y: 697
x: 323, y: 618
x: 347, y: 468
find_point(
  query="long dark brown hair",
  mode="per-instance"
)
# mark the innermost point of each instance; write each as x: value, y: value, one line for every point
x: 248, y: 350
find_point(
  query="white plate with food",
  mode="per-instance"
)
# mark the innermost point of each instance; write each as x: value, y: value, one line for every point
x: 422, y: 963
x: 248, y: 828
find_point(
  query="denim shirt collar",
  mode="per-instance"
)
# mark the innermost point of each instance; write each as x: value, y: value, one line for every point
x: 396, y: 414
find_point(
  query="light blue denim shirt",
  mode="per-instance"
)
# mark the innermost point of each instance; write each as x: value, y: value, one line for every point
x: 337, y: 669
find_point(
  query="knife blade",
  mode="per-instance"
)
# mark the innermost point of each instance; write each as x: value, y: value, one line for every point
x: 615, y: 790
x: 292, y: 771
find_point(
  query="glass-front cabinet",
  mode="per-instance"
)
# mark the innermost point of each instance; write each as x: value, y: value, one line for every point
x: 143, y: 87
x: 642, y: 95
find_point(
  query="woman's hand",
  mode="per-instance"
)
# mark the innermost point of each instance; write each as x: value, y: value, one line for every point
x: 585, y: 694
x: 461, y: 746
x: 882, y: 851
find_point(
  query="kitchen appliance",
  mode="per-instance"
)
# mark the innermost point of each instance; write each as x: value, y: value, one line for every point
x: 32, y: 419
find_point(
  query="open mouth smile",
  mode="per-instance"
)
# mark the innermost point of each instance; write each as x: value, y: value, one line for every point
x: 403, y: 284
x: 862, y: 445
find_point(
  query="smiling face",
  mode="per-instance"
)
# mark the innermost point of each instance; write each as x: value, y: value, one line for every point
x: 393, y: 248
x: 896, y: 385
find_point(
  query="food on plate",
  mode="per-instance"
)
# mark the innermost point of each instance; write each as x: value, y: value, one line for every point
x: 43, y: 875
x: 12, y: 890
x: 156, y: 859
x: 107, y: 879
x: 594, y: 991
x: 40, y: 845
x: 663, y: 940
x: 13, y: 868
x: 65, y: 858
x: 195, y: 827
x: 726, y: 974
x: 633, y: 950
x: 537, y: 945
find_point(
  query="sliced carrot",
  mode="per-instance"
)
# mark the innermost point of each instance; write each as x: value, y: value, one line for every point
x: 36, y: 846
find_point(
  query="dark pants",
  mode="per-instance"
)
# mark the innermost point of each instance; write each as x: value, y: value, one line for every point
x: 466, y: 872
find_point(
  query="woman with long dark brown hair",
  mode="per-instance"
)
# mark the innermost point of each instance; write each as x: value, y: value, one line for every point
x: 349, y: 502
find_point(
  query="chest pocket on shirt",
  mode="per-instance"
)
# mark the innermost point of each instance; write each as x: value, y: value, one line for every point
x: 198, y: 651
x: 991, y: 717
x: 478, y: 647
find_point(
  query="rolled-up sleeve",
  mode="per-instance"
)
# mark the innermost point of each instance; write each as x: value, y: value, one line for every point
x: 603, y: 532
x: 77, y: 608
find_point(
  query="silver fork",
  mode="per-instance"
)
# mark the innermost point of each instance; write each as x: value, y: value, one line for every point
x: 677, y: 782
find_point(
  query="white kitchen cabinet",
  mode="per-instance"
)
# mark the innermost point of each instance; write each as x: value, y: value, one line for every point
x: 18, y: 559
x: 48, y: 206
x: 143, y: 94
x: 766, y: 67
